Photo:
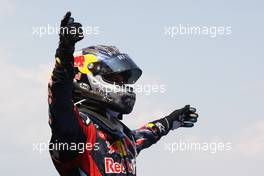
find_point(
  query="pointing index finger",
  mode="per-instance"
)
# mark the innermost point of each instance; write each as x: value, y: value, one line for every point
x: 65, y: 19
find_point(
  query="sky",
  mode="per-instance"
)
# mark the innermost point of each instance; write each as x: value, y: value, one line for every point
x: 221, y: 76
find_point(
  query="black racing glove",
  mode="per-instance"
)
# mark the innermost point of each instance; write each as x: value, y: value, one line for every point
x: 185, y: 117
x: 70, y: 32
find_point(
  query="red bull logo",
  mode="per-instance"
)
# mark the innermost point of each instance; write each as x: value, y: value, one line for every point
x: 112, y: 167
x: 79, y: 61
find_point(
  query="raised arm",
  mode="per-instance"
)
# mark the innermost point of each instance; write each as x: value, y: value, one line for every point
x: 64, y: 124
x: 153, y: 131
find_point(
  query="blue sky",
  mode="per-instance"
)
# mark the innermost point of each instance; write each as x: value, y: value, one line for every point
x: 221, y: 76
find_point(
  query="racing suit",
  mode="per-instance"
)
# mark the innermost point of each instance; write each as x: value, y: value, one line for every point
x: 95, y: 144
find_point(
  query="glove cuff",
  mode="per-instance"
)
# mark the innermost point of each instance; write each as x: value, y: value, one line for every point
x: 162, y: 125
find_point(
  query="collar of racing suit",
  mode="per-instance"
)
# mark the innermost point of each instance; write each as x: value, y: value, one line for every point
x: 108, y: 122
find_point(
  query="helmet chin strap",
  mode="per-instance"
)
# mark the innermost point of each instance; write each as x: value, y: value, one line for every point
x: 79, y: 102
x: 108, y: 112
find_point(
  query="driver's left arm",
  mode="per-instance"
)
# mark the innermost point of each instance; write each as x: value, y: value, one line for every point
x: 152, y: 132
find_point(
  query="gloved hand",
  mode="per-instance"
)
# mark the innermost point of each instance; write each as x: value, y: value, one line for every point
x: 185, y: 117
x: 70, y: 32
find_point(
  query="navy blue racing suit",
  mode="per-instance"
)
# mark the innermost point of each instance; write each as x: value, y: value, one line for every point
x: 82, y: 144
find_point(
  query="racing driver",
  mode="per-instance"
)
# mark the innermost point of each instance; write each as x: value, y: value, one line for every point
x: 89, y: 93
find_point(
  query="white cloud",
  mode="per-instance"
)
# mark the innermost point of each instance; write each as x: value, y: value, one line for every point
x: 23, y: 93
x: 7, y: 7
x: 251, y: 141
x: 23, y: 115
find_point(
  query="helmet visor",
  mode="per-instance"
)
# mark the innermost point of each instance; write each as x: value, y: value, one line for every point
x: 119, y: 69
